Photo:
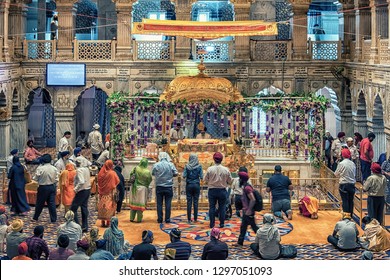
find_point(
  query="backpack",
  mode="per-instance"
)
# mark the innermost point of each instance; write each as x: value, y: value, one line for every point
x: 259, y: 201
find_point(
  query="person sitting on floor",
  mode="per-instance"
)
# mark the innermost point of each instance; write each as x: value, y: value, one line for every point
x: 14, y: 238
x: 215, y: 249
x: 308, y: 207
x: 31, y: 155
x: 115, y: 238
x: 367, y: 256
x: 37, y: 245
x: 105, y: 155
x: 3, y: 228
x: 71, y: 229
x: 92, y: 237
x: 22, y: 250
x: 267, y: 243
x: 82, y: 247
x: 345, y: 234
x: 101, y: 253
x: 183, y: 249
x: 375, y: 237
x: 61, y: 253
x: 145, y: 250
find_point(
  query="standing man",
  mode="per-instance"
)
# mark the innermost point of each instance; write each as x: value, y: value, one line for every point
x: 336, y: 150
x: 47, y: 178
x: 366, y: 155
x: 63, y: 145
x: 164, y: 171
x: 280, y: 187
x: 62, y: 161
x: 346, y: 170
x: 54, y: 28
x: 95, y: 141
x: 328, y: 140
x: 217, y: 178
x: 176, y: 133
x: 248, y: 202
x: 82, y: 188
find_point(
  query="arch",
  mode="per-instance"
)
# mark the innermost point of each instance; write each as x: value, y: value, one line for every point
x: 332, y: 114
x: 15, y: 100
x: 3, y: 99
x: 91, y: 109
x: 41, y: 119
x: 379, y: 144
x: 360, y: 120
x: 212, y: 11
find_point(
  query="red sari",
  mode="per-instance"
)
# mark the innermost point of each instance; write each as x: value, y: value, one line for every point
x: 107, y: 182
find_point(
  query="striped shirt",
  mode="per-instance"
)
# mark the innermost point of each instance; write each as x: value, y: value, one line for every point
x: 183, y: 249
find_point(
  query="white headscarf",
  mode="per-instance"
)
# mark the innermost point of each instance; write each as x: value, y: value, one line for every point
x: 193, y: 163
x: 268, y: 228
x: 164, y: 156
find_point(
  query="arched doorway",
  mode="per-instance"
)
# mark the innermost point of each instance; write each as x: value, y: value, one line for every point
x: 332, y: 114
x: 360, y: 120
x: 41, y: 120
x: 378, y: 128
x: 91, y: 109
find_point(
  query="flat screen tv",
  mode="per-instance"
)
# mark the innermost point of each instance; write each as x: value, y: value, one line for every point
x: 65, y: 74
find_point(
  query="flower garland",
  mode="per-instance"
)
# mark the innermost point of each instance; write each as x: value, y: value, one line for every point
x: 121, y: 106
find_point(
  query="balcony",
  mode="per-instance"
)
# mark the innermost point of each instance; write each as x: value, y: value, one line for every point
x: 39, y: 49
x: 92, y: 50
x: 153, y: 50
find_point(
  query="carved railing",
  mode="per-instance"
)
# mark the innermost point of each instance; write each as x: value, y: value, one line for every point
x: 94, y: 50
x: 352, y: 50
x: 270, y: 50
x: 260, y: 153
x: 383, y: 46
x: 325, y: 50
x: 215, y: 50
x: 154, y: 50
x: 39, y: 49
x: 366, y: 50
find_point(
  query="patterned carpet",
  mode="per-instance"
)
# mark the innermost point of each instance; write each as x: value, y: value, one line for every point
x: 201, y: 231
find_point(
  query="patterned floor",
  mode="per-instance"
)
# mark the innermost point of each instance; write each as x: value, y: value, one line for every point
x: 201, y: 231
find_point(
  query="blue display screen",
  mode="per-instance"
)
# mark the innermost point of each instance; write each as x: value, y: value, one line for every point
x: 65, y: 74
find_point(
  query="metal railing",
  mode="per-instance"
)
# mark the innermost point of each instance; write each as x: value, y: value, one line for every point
x: 270, y: 50
x: 154, y: 50
x: 39, y: 49
x: 92, y: 50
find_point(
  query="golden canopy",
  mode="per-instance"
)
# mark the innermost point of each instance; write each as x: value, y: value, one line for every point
x: 201, y: 87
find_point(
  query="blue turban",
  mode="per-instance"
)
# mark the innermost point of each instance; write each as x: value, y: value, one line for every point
x: 101, y: 243
x: 77, y: 151
x: 64, y: 154
x: 14, y: 151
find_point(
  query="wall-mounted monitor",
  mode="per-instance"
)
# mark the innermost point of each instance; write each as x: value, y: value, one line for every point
x: 65, y: 74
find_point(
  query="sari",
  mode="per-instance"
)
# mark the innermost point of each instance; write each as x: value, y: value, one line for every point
x: 107, y: 182
x: 139, y: 189
x: 308, y: 206
x: 378, y: 238
x: 67, y: 185
x: 114, y: 237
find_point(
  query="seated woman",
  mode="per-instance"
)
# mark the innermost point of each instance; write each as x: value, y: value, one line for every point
x: 267, y: 243
x: 375, y: 238
x: 215, y: 249
x: 115, y: 238
x: 308, y: 207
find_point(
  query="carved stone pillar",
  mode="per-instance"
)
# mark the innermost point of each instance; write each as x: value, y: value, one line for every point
x: 387, y: 132
x: 17, y: 23
x: 19, y: 128
x: 4, y: 11
x: 299, y: 32
x: 183, y: 44
x: 349, y: 28
x: 347, y: 122
x: 374, y: 34
x: 242, y: 46
x: 66, y: 25
x: 123, y: 13
x: 5, y: 137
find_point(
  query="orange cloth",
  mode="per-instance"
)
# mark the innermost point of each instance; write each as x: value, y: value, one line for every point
x: 312, y: 206
x: 366, y: 146
x: 107, y: 178
x: 67, y: 184
x: 21, y: 258
x: 108, y: 136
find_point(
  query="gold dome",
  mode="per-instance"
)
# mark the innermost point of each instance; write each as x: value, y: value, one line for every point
x: 201, y: 87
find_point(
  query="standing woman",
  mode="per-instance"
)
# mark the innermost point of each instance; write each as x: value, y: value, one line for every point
x: 139, y: 190
x: 17, y: 183
x: 107, y: 182
x: 67, y: 185
x: 193, y: 173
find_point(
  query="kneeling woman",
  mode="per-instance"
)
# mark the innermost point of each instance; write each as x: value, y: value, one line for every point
x: 267, y: 243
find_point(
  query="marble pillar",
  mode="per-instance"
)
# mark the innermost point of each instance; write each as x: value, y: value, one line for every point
x: 299, y: 32
x: 5, y: 138
x: 123, y: 49
x: 347, y: 122
x: 4, y: 10
x: 360, y: 125
x: 18, y: 130
x: 66, y: 25
x: 358, y: 43
x: 374, y: 57
x: 349, y: 27
x: 65, y: 121
x: 183, y: 44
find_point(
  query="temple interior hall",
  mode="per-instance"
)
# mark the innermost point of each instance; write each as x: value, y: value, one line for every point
x: 267, y: 81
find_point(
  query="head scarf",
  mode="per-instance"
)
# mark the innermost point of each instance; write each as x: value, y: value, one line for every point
x: 64, y: 154
x: 345, y: 153
x: 215, y: 233
x: 218, y: 157
x: 14, y: 152
x: 22, y: 248
x: 77, y: 151
x: 69, y: 216
x: 96, y: 126
x: 164, y: 156
x: 367, y: 255
x: 17, y: 225
x: 2, y: 209
x: 38, y: 230
x: 341, y: 134
x: 114, y: 227
x: 94, y: 233
x: 83, y: 244
x: 3, y: 220
x: 16, y: 161
x: 101, y: 244
x: 63, y: 241
x: 107, y: 178
x: 147, y: 236
x: 376, y: 168
x: 268, y: 228
x: 349, y: 139
x: 70, y: 167
x: 175, y: 233
x: 46, y: 158
x: 126, y: 246
x: 244, y: 177
x: 142, y: 175
x: 193, y: 163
